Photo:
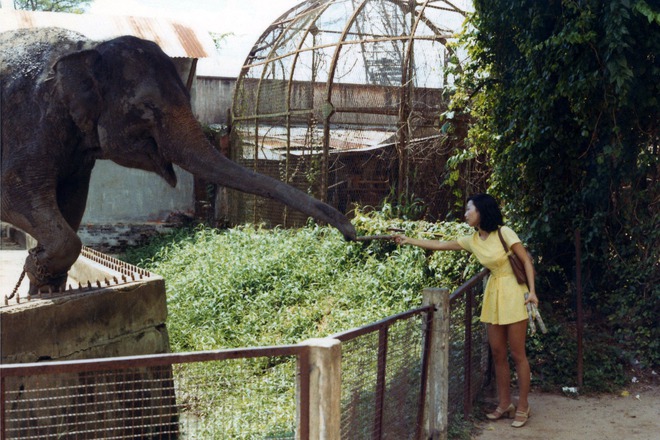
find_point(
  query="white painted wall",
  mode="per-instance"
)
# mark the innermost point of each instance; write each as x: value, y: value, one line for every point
x: 129, y: 196
x: 124, y: 195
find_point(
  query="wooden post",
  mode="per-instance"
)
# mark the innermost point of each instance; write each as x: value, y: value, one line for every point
x: 324, y: 388
x: 437, y: 382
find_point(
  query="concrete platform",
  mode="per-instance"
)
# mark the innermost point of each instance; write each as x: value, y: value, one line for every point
x: 11, y: 267
x: 109, y: 309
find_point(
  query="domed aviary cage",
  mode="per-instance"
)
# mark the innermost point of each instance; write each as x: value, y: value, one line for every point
x: 342, y: 99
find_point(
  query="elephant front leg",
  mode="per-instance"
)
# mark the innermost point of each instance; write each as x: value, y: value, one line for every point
x: 47, y: 264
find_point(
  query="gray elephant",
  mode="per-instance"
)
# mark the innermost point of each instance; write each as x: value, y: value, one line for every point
x: 67, y: 102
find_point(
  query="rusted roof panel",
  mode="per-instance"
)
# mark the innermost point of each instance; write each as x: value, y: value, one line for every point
x: 273, y: 142
x: 176, y: 39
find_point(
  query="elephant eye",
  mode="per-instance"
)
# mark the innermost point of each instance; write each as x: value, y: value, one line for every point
x: 150, y: 112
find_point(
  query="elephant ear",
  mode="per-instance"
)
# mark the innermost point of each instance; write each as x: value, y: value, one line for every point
x: 78, y: 87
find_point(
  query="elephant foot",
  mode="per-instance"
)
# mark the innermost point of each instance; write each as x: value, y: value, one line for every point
x: 41, y: 280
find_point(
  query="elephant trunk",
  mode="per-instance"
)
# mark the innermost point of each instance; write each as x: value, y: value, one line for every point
x: 195, y: 154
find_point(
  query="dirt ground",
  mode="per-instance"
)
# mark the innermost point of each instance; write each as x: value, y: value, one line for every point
x: 633, y: 414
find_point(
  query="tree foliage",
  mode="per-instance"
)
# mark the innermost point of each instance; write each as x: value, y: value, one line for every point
x: 75, y: 6
x: 565, y: 96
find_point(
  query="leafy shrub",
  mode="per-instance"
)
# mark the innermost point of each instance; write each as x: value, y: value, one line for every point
x: 250, y: 286
x: 553, y: 359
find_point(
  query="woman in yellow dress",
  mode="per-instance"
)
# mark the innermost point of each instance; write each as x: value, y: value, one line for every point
x: 504, y: 305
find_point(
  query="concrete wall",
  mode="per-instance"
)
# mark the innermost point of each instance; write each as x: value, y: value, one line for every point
x: 124, y: 195
x: 119, y: 311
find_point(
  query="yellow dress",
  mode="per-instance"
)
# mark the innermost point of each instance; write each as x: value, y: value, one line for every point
x: 504, y: 298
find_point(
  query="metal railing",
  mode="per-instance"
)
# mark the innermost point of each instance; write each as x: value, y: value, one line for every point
x: 143, y: 397
x: 384, y: 380
x: 468, y: 357
x: 384, y: 376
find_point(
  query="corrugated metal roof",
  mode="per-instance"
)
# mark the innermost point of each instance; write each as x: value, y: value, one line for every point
x: 176, y: 39
x: 274, y: 141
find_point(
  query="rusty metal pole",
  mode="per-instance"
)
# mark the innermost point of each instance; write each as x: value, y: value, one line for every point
x: 467, y: 355
x: 302, y: 394
x: 2, y: 407
x: 380, y: 384
x: 578, y: 286
x: 428, y: 331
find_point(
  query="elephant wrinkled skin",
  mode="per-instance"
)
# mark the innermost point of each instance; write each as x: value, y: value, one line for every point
x: 68, y: 101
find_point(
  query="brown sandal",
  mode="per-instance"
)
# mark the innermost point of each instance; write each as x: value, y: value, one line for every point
x: 499, y: 413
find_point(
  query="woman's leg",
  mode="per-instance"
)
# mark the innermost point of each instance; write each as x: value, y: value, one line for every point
x: 516, y: 336
x: 497, y: 338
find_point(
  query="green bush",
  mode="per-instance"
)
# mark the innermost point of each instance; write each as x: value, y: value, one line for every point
x: 249, y: 286
x: 553, y: 359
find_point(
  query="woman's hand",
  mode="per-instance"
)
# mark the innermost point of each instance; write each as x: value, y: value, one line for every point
x: 401, y: 239
x: 532, y: 298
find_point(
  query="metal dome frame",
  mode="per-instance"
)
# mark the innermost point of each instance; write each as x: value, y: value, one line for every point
x: 344, y: 73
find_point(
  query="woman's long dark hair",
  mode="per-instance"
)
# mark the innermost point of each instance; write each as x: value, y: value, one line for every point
x: 489, y: 211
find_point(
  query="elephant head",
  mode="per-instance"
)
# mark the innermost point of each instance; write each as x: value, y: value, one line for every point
x: 121, y: 100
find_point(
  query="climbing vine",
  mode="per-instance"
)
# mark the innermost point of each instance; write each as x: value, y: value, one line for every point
x: 565, y: 98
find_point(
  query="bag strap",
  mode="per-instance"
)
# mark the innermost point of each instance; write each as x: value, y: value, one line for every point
x: 499, y: 232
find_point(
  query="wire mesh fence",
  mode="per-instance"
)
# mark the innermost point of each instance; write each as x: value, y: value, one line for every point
x: 132, y: 403
x: 238, y: 399
x: 255, y: 393
x: 383, y: 378
x: 234, y: 394
x: 468, y: 349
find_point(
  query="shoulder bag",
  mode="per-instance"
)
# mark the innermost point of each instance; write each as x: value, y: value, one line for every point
x: 517, y: 265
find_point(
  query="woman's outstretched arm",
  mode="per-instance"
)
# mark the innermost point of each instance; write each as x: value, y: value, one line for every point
x: 432, y: 245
